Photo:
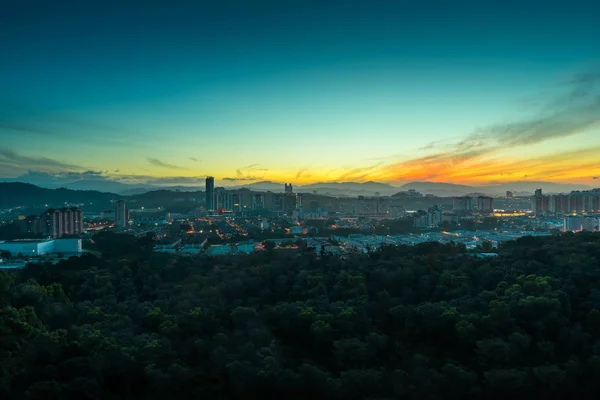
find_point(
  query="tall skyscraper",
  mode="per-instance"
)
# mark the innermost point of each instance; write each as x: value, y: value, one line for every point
x: 121, y: 214
x: 289, y: 189
x: 210, y: 193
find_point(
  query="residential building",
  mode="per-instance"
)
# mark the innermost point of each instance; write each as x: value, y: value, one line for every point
x: 258, y: 201
x: 121, y: 214
x: 485, y: 204
x: 462, y: 204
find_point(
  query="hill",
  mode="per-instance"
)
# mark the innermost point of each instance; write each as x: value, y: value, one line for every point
x: 14, y: 194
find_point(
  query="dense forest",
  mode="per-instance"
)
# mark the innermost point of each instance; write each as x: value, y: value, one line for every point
x: 425, y: 322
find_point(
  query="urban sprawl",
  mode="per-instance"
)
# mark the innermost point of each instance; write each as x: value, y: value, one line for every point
x: 243, y: 221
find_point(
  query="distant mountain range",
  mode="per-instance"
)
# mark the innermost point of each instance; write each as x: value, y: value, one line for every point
x: 332, y: 188
x: 18, y: 193
x: 519, y: 188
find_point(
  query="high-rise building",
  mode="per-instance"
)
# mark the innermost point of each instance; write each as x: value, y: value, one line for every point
x: 537, y: 203
x: 278, y: 202
x: 462, y: 204
x: 258, y: 201
x: 237, y: 202
x: 121, y: 214
x: 434, y: 216
x: 485, y: 204
x: 210, y: 193
x: 72, y: 221
x: 290, y: 203
x: 509, y: 194
x: 223, y: 201
x: 54, y: 223
x: 289, y: 189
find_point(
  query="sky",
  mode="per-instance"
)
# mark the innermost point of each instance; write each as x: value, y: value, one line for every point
x: 469, y: 92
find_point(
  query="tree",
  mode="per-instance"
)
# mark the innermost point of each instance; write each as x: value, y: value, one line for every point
x: 269, y: 245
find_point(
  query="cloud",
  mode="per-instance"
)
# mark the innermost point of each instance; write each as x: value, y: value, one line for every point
x: 248, y: 173
x: 13, y: 162
x: 32, y: 120
x: 595, y: 177
x: 193, y: 159
x: 177, y: 180
x: 301, y: 173
x: 358, y: 173
x: 572, y: 112
x: 117, y: 170
x: 244, y: 178
x: 159, y: 163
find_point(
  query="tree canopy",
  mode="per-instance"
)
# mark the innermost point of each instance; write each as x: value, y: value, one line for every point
x: 425, y: 322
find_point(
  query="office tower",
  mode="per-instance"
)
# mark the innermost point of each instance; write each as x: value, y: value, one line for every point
x: 121, y: 214
x: 210, y: 193
x: 288, y: 189
x: 509, y: 194
x: 485, y: 204
x: 299, y: 200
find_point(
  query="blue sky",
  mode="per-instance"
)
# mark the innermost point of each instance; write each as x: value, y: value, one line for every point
x: 300, y: 91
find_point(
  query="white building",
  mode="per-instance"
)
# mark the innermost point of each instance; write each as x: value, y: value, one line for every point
x: 35, y: 248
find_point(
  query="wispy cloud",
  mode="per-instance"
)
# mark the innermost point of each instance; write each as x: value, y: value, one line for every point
x: 193, y: 159
x: 248, y: 173
x: 573, y: 112
x: 303, y: 173
x: 16, y: 162
x: 158, y: 163
x: 358, y: 173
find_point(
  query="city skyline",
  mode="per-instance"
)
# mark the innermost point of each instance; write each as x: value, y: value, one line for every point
x: 300, y: 92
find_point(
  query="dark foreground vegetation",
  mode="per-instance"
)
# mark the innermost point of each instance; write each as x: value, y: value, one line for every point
x: 424, y: 322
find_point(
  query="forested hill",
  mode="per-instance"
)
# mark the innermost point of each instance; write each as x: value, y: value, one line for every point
x: 423, y: 322
x: 14, y: 194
